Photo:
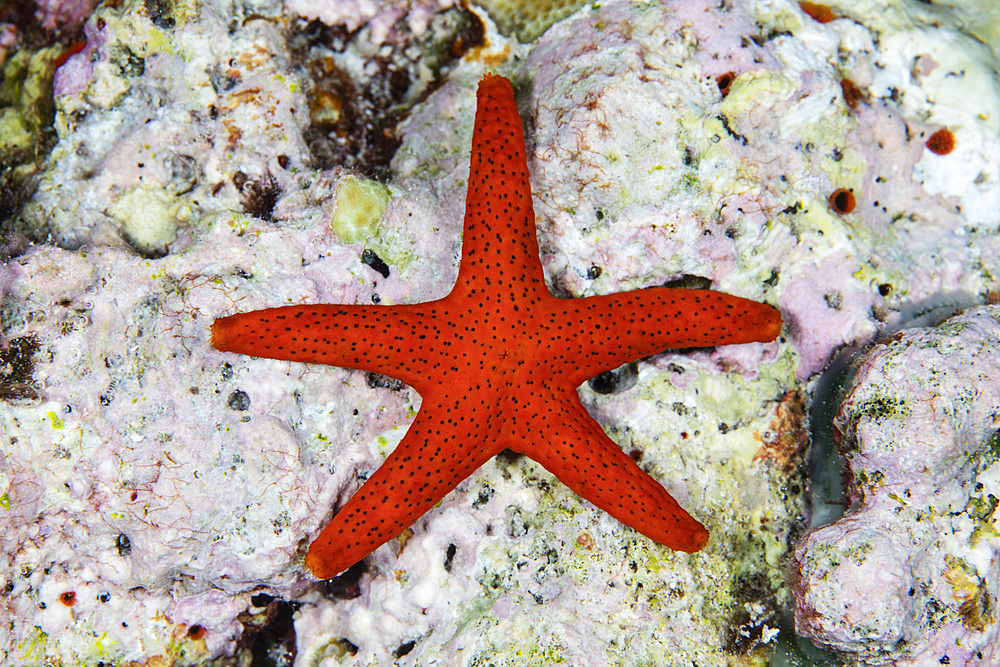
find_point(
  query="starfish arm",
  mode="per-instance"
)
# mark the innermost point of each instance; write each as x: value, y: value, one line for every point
x: 375, y: 338
x: 602, y: 332
x: 434, y: 456
x: 499, y: 247
x: 567, y: 442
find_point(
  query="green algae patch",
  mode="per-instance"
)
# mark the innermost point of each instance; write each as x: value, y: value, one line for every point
x: 32, y: 649
x: 358, y: 206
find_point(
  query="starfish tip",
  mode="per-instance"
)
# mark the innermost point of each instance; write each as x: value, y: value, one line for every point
x: 217, y: 334
x: 317, y: 565
x: 773, y: 326
x: 493, y: 81
x: 699, y: 538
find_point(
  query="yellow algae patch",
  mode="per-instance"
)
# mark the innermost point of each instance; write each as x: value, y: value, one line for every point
x: 56, y: 421
x: 975, y: 603
x: 357, y: 209
x: 756, y: 89
x: 25, y: 98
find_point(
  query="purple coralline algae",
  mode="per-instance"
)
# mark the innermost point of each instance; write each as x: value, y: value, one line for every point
x: 910, y: 575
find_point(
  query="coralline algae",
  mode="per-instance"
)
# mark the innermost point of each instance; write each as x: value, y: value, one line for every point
x: 172, y: 489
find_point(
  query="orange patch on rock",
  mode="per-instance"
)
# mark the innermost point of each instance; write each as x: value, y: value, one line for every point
x: 941, y: 142
x: 843, y: 201
x: 786, y: 440
x: 818, y: 12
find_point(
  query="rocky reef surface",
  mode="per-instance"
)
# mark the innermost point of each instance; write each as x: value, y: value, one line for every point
x: 910, y: 575
x: 156, y: 496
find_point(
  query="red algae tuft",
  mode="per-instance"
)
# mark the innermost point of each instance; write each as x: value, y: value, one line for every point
x: 852, y: 94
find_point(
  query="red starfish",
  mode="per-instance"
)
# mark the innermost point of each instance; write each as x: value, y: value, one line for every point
x: 497, y: 362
